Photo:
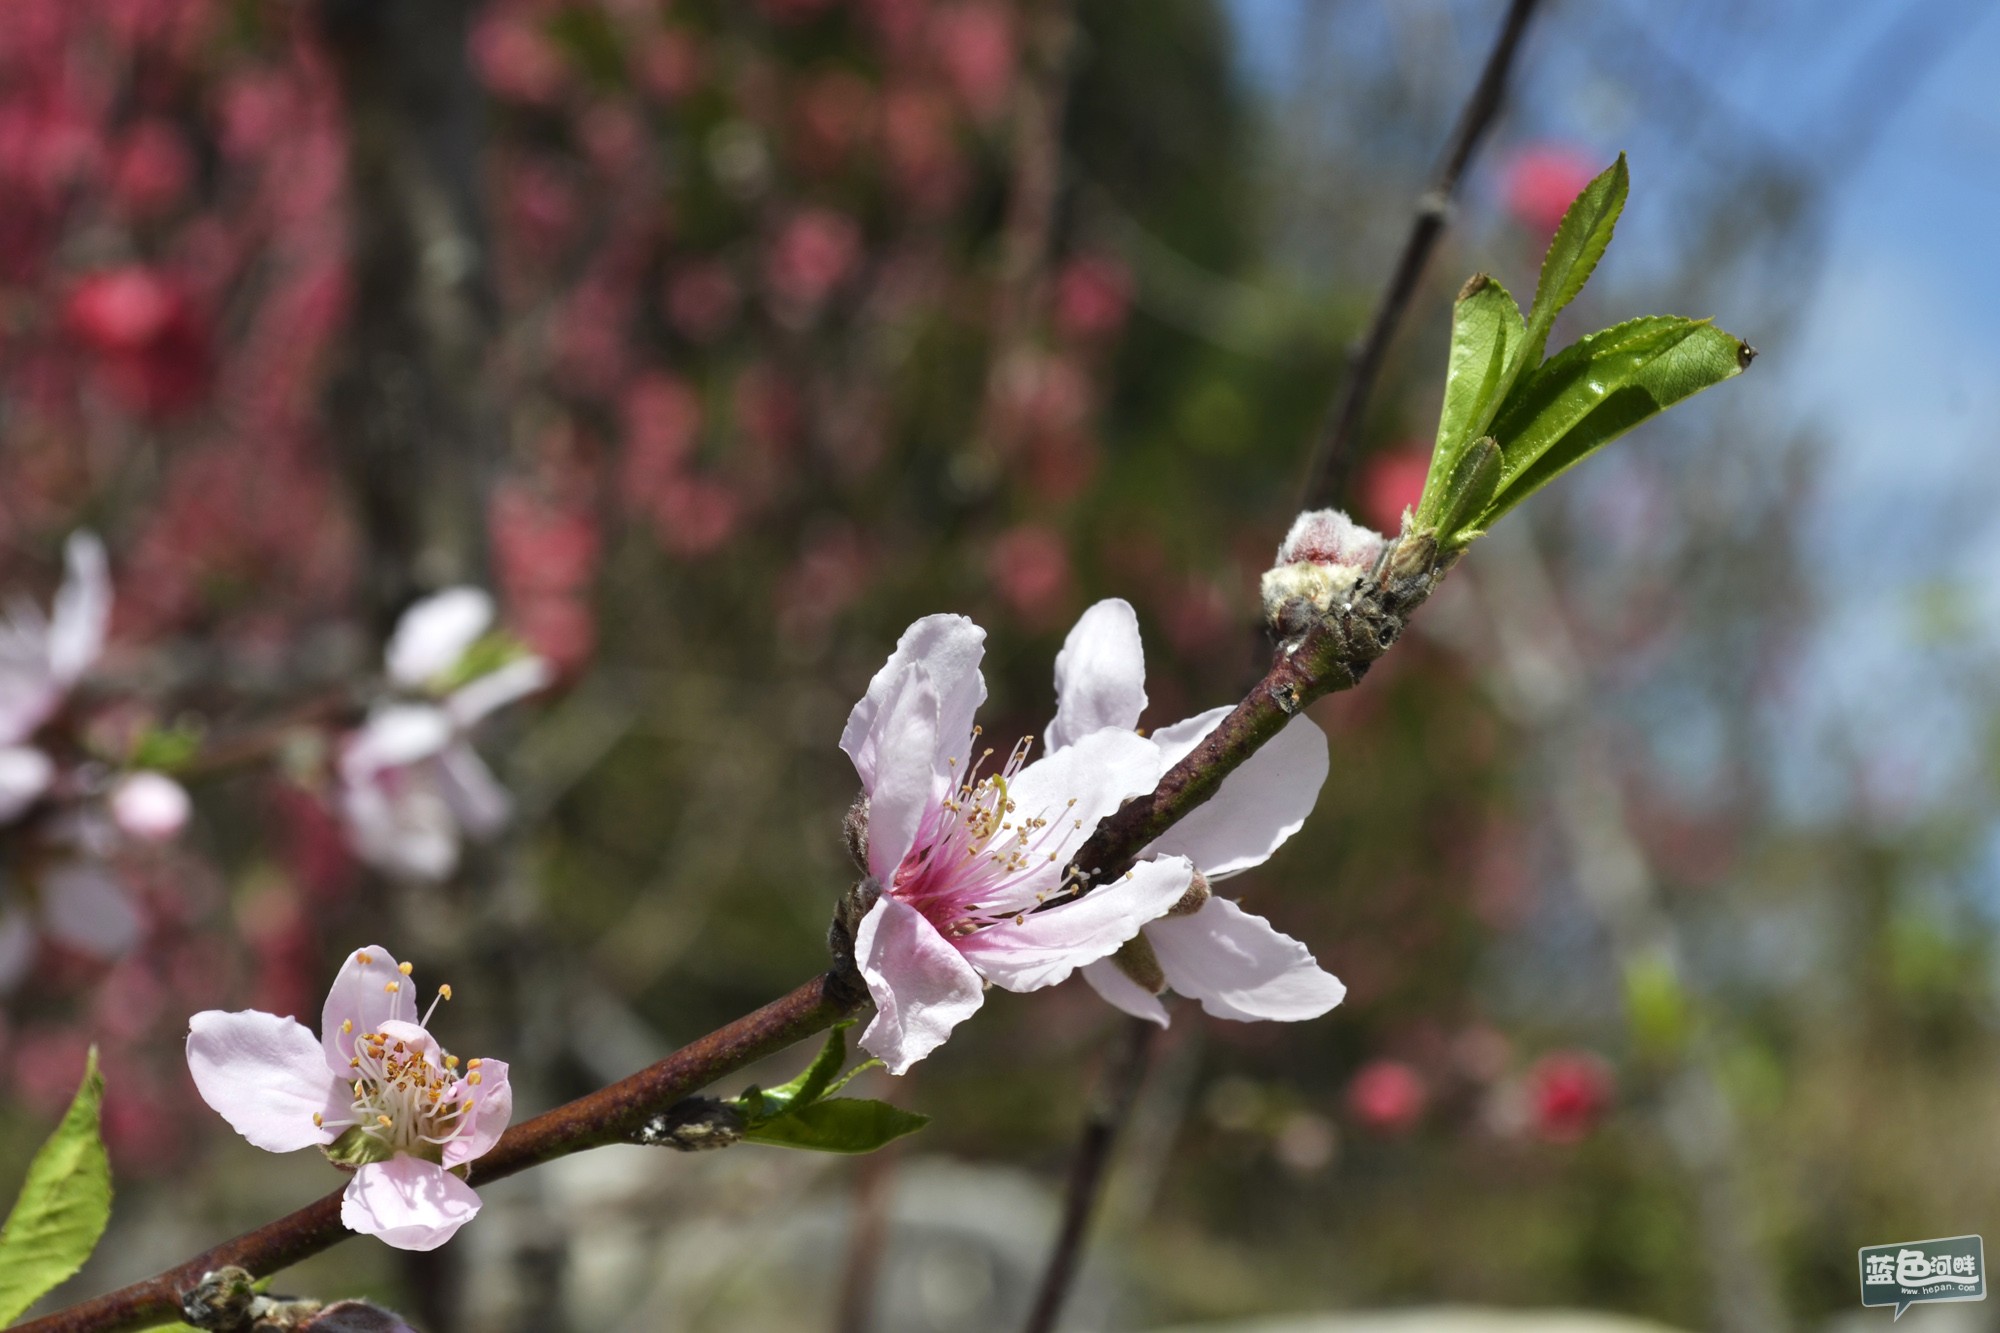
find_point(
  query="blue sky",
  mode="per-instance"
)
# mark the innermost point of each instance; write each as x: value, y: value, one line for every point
x: 1896, y: 364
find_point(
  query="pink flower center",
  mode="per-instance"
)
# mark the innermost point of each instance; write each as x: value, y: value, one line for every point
x: 973, y: 845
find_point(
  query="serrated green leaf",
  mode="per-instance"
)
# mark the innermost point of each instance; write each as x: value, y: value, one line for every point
x: 64, y: 1203
x: 1573, y: 253
x: 1598, y: 388
x: 1468, y: 493
x: 1486, y: 333
x: 759, y: 1106
x: 842, y: 1124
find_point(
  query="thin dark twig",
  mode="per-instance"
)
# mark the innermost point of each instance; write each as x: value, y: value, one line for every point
x: 867, y: 1240
x: 1326, y: 471
x: 1117, y: 1089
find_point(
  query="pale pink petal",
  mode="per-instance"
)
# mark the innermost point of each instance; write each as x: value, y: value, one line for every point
x: 266, y: 1076
x: 85, y: 906
x: 368, y: 991
x: 492, y: 1107
x: 923, y: 988
x: 400, y: 823
x: 1072, y: 789
x: 949, y: 648
x: 25, y: 773
x: 434, y: 634
x: 1239, y: 966
x: 481, y: 805
x: 151, y: 807
x: 1039, y: 949
x: 1110, y: 982
x: 1259, y: 806
x: 394, y: 736
x: 903, y: 739
x: 407, y: 1203
x: 496, y: 689
x: 82, y: 609
x: 1100, y: 674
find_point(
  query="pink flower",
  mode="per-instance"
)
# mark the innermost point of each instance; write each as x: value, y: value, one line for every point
x: 1569, y: 1092
x: 1235, y: 963
x: 411, y: 784
x: 1540, y: 182
x: 968, y: 858
x: 1393, y: 482
x: 41, y: 659
x: 1093, y: 294
x: 1387, y: 1096
x: 375, y: 1087
x: 812, y: 254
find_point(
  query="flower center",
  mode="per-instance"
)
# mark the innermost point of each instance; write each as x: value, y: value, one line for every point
x: 974, y: 843
x: 409, y: 1094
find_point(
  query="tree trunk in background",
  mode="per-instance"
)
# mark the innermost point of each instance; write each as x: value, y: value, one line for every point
x: 413, y: 411
x: 411, y: 404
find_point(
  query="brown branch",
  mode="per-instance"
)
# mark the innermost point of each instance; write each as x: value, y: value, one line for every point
x: 1326, y: 470
x: 1334, y: 655
x: 1118, y: 1089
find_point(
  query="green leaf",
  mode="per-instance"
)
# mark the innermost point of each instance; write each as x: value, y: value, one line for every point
x: 64, y: 1204
x: 1578, y: 244
x: 1469, y: 492
x: 801, y: 1092
x: 1598, y: 388
x: 1486, y: 332
x: 844, y: 1124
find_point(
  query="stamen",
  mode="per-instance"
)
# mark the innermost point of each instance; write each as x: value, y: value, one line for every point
x: 392, y: 987
x: 405, y: 968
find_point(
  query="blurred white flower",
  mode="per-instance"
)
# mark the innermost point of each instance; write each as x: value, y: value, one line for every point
x: 149, y: 806
x: 41, y: 659
x: 411, y: 785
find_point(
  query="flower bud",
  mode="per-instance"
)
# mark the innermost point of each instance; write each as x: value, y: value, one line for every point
x: 1321, y: 559
x: 149, y: 806
x: 1194, y: 899
x: 855, y: 829
x: 1137, y: 960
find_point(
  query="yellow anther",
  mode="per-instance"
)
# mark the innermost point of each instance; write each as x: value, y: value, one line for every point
x: 451, y: 1062
x: 474, y: 1063
x: 363, y: 959
x: 473, y: 1078
x: 347, y: 1025
x: 392, y: 987
x: 404, y: 968
x: 445, y: 991
x: 384, y: 1121
x: 319, y: 1119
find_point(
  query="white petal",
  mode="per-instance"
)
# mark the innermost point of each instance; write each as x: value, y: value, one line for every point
x: 1100, y: 674
x: 1259, y: 806
x: 25, y: 773
x: 82, y: 609
x: 399, y: 822
x: 1042, y: 948
x: 949, y: 648
x: 1109, y: 980
x: 435, y: 632
x: 395, y: 735
x: 496, y: 689
x: 903, y: 740
x: 265, y: 1076
x: 1240, y: 967
x: 407, y: 1203
x: 85, y: 906
x: 923, y: 988
x: 481, y: 805
x: 1072, y: 789
x: 368, y: 991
